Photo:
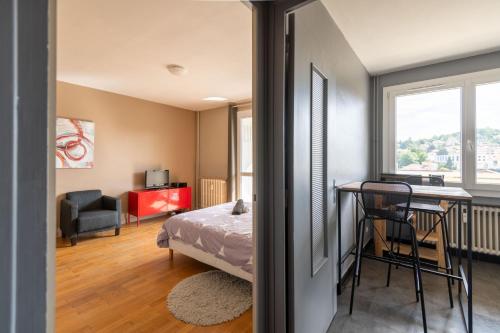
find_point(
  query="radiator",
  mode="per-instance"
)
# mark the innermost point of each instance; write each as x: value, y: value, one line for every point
x: 485, y: 228
x: 213, y: 192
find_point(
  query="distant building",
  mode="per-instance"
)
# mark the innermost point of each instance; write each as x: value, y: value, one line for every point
x: 443, y: 159
x: 488, y: 157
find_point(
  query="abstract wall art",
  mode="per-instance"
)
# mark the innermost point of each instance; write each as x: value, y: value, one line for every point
x: 74, y: 144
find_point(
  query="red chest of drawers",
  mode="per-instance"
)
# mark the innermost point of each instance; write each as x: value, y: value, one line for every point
x: 151, y: 202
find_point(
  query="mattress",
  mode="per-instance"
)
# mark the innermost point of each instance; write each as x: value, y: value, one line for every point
x: 214, y: 231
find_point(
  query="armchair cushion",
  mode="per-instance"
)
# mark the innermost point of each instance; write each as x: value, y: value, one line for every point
x: 111, y: 203
x: 97, y: 219
x: 86, y: 200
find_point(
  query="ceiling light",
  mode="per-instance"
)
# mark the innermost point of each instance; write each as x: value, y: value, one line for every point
x: 215, y: 99
x: 177, y: 70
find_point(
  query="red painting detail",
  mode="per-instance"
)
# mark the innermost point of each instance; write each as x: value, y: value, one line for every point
x: 72, y: 145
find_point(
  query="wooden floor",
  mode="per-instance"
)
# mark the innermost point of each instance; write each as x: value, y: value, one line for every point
x: 119, y: 284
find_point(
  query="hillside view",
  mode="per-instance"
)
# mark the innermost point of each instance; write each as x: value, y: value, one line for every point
x: 443, y: 153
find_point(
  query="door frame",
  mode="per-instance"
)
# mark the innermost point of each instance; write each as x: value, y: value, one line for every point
x: 27, y: 121
x: 270, y: 236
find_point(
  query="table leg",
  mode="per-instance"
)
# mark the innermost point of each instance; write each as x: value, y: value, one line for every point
x: 356, y: 226
x: 469, y: 265
x: 357, y: 229
x: 339, y: 241
x: 459, y: 245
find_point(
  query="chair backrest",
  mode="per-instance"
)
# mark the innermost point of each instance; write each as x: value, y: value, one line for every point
x: 386, y: 200
x: 86, y: 200
x: 426, y: 181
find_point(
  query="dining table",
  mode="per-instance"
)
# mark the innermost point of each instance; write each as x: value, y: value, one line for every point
x: 454, y: 196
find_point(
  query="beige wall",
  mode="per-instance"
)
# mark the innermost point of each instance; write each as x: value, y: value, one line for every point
x: 213, y: 147
x: 131, y: 136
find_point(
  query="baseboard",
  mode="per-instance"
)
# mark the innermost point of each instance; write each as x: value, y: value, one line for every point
x: 491, y: 258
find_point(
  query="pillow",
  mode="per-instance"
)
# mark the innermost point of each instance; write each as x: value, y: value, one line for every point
x: 239, y: 208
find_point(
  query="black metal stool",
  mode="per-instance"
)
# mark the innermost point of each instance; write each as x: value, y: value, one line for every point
x: 389, y: 201
x: 433, y: 207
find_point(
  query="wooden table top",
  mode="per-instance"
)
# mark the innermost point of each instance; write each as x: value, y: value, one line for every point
x: 438, y: 192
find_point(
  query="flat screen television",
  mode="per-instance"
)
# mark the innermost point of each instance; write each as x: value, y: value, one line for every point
x: 156, y: 178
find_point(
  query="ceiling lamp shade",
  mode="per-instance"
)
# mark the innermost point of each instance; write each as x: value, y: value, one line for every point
x: 177, y: 70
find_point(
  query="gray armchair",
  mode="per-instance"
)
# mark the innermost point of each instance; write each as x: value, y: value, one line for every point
x: 89, y: 211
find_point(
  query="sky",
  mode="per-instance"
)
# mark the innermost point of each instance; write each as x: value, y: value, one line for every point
x: 424, y: 115
x: 488, y: 105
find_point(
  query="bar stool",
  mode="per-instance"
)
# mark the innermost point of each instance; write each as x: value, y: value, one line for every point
x: 389, y: 201
x: 433, y: 207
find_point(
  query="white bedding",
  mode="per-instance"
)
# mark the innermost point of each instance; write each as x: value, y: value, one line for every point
x: 214, y: 236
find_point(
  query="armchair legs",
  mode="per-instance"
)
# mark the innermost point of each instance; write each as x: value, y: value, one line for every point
x: 74, y: 238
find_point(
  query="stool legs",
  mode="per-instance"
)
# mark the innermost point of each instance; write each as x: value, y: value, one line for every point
x: 447, y: 257
x: 399, y: 241
x: 418, y: 275
x: 416, y: 267
x: 448, y: 248
x: 391, y: 252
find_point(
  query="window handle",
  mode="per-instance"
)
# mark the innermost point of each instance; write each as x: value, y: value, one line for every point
x: 470, y: 146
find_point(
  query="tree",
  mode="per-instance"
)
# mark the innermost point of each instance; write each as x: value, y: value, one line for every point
x: 420, y: 156
x: 406, y: 159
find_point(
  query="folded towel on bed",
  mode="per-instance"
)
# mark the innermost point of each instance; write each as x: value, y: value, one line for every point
x: 240, y: 208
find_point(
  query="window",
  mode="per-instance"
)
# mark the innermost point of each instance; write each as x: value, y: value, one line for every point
x: 245, y: 152
x: 448, y: 126
x: 428, y: 133
x: 488, y: 133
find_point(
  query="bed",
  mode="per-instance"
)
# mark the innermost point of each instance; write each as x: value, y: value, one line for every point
x: 213, y: 236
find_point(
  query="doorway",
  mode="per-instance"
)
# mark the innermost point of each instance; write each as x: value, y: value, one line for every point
x: 144, y: 102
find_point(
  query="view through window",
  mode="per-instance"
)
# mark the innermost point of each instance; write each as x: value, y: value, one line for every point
x: 428, y: 133
x: 488, y: 133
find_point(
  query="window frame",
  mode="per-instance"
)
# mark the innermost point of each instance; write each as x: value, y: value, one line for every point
x: 467, y: 82
x: 239, y: 174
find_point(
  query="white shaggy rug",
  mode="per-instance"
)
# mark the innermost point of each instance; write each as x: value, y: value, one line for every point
x: 210, y: 298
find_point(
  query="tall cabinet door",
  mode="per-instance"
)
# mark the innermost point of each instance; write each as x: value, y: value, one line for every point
x: 310, y: 184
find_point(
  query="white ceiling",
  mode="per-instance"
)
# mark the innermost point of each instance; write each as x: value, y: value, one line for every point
x: 123, y: 46
x: 395, y: 34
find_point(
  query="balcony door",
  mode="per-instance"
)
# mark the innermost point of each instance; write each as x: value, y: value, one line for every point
x: 244, y: 150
